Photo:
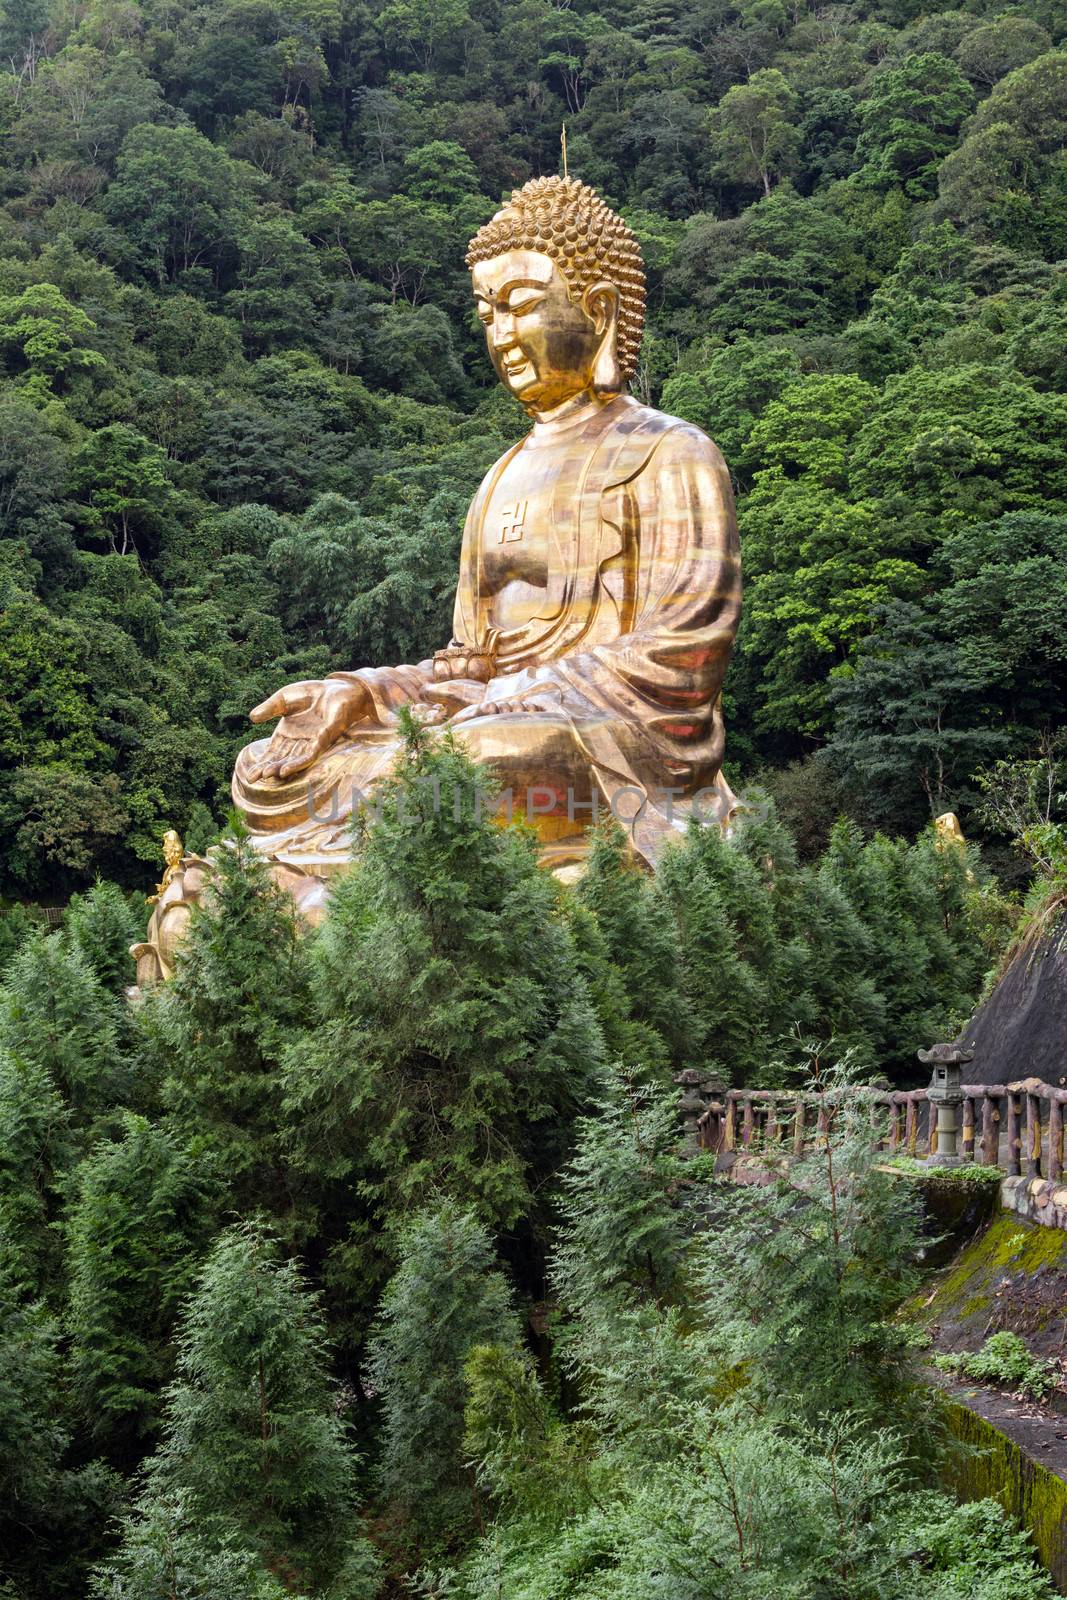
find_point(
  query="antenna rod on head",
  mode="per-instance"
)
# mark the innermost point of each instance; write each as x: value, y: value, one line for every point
x: 563, y: 148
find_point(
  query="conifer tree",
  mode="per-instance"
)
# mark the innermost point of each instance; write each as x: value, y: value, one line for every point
x: 447, y: 1297
x: 749, y: 906
x: 766, y: 843
x: 254, y: 1447
x: 726, y: 994
x: 895, y: 893
x: 623, y: 1235
x: 36, y: 1149
x: 31, y: 1440
x: 620, y: 1264
x: 453, y: 1034
x: 55, y: 1015
x: 217, y: 1032
x: 52, y: 1515
x: 638, y: 929
x: 101, y: 926
x: 801, y: 1279
x: 847, y: 1004
x: 170, y: 1551
x: 137, y: 1225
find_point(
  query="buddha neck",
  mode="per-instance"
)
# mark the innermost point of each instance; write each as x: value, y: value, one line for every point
x: 571, y: 414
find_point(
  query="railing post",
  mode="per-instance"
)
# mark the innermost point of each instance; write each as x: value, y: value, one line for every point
x: 1055, y: 1138
x: 730, y: 1127
x: 894, y: 1125
x: 771, y: 1131
x: 747, y: 1122
x: 931, y: 1125
x: 911, y: 1126
x: 990, y: 1130
x: 1014, y: 1164
x: 1033, y: 1136
x: 967, y: 1150
x: 799, y: 1119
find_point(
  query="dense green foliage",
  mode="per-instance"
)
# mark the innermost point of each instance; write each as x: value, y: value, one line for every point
x: 243, y: 399
x: 380, y: 1190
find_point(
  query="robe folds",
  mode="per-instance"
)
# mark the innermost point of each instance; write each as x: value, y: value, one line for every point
x: 620, y: 665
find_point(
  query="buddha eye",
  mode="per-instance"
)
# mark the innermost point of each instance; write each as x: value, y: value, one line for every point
x: 484, y: 312
x: 524, y: 302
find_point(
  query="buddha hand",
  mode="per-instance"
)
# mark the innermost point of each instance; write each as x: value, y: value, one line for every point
x: 315, y: 714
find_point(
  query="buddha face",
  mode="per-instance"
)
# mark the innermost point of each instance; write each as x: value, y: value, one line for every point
x: 545, y: 348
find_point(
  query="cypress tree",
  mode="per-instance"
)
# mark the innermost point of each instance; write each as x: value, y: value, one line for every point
x: 56, y: 1015
x: 169, y: 1552
x: 31, y: 1440
x: 101, y: 926
x: 454, y: 1035
x: 36, y: 1149
x: 880, y: 883
x: 748, y: 904
x: 623, y: 1233
x: 638, y: 929
x: 52, y: 1516
x: 254, y: 1446
x: 137, y: 1226
x: 727, y: 996
x: 849, y: 1007
x: 217, y: 1032
x: 447, y: 1297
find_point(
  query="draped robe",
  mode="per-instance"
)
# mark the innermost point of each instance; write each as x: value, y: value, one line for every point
x: 625, y: 656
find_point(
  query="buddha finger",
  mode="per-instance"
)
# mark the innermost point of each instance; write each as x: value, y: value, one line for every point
x: 264, y: 765
x: 278, y: 752
x: 284, y: 702
x: 299, y: 757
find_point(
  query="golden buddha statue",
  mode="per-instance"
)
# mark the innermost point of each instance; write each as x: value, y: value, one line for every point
x: 599, y: 585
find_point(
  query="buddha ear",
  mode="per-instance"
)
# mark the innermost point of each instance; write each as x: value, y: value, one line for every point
x: 601, y: 302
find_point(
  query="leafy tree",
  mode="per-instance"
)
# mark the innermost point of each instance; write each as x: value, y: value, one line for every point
x: 178, y: 199
x: 820, y: 566
x: 914, y: 717
x: 754, y: 133
x: 123, y: 479
x: 910, y: 119
x: 989, y: 53
x: 52, y: 337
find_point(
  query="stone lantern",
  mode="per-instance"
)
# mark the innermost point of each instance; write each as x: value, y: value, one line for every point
x: 700, y: 1092
x: 946, y: 1095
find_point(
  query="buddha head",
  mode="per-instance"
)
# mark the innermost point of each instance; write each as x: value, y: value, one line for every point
x: 560, y: 289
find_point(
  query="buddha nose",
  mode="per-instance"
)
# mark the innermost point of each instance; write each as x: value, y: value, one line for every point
x: 503, y: 332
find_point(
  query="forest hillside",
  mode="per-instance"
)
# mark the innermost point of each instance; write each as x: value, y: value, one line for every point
x: 244, y: 401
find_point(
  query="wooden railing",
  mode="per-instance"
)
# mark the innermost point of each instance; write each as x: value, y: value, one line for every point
x: 1015, y: 1126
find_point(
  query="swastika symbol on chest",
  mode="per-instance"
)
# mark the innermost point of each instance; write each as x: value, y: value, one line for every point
x: 512, y: 520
